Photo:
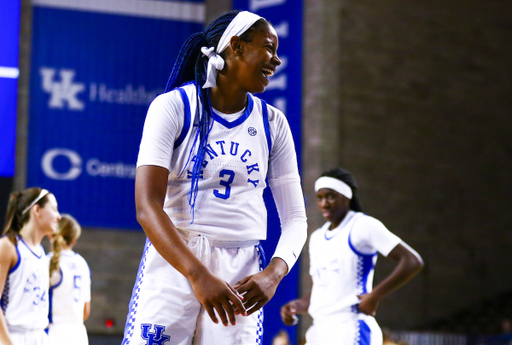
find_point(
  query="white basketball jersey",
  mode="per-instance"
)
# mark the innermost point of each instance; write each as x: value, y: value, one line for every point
x: 339, y: 270
x: 70, y: 289
x: 229, y: 204
x: 25, y: 297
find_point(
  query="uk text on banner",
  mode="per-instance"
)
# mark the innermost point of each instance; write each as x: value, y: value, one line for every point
x: 284, y: 92
x: 9, y: 48
x: 96, y: 66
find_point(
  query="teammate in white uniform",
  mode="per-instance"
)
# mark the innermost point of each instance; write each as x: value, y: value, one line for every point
x: 208, y: 149
x: 24, y: 275
x: 343, y: 253
x: 70, y: 287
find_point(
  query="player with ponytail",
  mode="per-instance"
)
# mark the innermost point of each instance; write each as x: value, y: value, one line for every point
x: 24, y: 275
x: 70, y: 286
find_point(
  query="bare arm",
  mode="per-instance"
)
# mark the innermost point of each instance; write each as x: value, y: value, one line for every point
x: 87, y: 310
x: 297, y: 306
x: 409, y: 263
x: 213, y: 293
x: 8, y: 259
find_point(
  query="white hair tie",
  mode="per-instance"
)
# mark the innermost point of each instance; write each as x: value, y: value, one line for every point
x: 334, y: 184
x: 41, y: 195
x: 240, y: 24
x: 215, y: 63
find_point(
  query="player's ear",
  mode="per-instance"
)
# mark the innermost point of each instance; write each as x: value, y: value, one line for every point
x: 236, y: 45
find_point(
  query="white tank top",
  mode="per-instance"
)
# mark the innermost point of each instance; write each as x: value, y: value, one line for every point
x: 25, y: 298
x: 70, y: 289
x: 229, y: 204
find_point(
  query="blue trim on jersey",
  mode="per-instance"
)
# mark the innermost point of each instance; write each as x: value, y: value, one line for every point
x: 187, y: 120
x: 241, y: 119
x: 50, y: 302
x: 364, y: 265
x: 266, y: 125
x: 15, y: 267
x: 132, y: 310
x: 37, y: 256
x: 365, y: 333
x: 348, y: 220
x: 263, y: 264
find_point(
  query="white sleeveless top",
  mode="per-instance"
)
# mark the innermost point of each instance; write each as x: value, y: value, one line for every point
x: 70, y: 289
x: 229, y: 204
x: 342, y: 263
x: 25, y: 298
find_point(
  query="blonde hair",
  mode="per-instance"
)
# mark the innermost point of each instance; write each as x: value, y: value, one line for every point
x: 68, y: 230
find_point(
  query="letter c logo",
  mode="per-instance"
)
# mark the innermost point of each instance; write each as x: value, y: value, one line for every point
x: 74, y: 158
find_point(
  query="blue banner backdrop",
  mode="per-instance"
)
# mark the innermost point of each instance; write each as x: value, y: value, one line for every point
x: 9, y: 46
x: 284, y: 92
x: 94, y: 73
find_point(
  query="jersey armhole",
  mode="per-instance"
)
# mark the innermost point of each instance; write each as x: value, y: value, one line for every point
x: 187, y: 120
x: 18, y: 261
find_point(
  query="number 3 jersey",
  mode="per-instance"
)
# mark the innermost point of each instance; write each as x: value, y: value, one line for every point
x: 25, y: 296
x: 70, y: 289
x: 243, y: 150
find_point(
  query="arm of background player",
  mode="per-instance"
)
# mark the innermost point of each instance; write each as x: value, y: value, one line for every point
x: 409, y: 263
x: 213, y: 293
x: 297, y: 306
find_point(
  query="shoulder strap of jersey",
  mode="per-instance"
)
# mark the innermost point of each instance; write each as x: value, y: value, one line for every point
x: 264, y: 110
x: 186, y: 123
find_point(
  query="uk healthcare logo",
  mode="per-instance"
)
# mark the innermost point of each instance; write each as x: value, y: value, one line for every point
x: 63, y: 90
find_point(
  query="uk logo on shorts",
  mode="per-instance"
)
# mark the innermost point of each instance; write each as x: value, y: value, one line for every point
x: 157, y: 337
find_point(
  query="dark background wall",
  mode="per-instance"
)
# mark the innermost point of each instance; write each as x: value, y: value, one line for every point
x: 415, y: 99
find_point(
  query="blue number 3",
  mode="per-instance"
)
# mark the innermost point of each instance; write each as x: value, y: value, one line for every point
x: 226, y: 184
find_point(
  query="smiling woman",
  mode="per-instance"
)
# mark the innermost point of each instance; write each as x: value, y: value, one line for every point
x: 24, y: 279
x: 207, y: 150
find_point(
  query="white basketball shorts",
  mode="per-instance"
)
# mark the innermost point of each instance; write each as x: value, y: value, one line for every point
x: 361, y: 330
x: 165, y: 311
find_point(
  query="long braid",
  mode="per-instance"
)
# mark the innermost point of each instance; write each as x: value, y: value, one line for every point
x: 191, y: 65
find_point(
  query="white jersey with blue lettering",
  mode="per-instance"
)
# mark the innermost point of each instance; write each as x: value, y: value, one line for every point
x: 69, y: 291
x: 245, y: 150
x: 25, y: 297
x: 342, y: 262
x: 229, y: 204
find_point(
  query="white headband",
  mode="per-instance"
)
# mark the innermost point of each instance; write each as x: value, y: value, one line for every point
x: 39, y: 197
x: 243, y: 21
x: 334, y: 184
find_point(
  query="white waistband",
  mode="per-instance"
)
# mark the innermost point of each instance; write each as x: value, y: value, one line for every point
x: 190, y: 236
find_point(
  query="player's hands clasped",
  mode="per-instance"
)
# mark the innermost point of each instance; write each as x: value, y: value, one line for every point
x: 217, y: 295
x: 257, y: 290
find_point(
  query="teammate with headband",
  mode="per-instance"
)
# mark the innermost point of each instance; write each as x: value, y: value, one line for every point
x: 343, y: 253
x: 24, y: 274
x: 207, y: 150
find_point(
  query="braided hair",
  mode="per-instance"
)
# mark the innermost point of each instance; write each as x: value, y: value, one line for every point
x: 345, y: 176
x: 17, y: 215
x: 191, y: 66
x: 68, y: 230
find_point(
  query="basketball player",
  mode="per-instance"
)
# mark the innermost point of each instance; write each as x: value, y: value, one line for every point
x: 24, y: 277
x: 343, y: 253
x: 70, y: 286
x: 207, y: 150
